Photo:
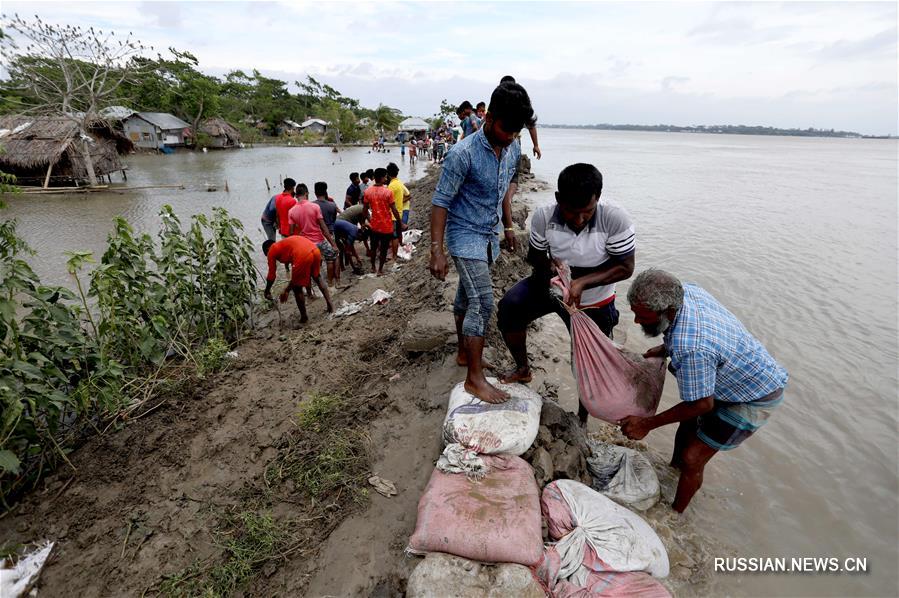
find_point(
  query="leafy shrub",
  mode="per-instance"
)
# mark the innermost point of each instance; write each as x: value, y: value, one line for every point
x: 70, y: 361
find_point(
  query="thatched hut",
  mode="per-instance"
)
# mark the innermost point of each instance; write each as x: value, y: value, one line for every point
x: 41, y: 150
x: 220, y: 132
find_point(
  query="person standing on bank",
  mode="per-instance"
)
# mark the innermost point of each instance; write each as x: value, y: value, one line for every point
x: 595, y: 238
x: 475, y: 176
x: 729, y: 384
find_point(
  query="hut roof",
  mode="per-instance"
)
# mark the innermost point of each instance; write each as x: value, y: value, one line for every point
x: 219, y: 127
x: 163, y: 120
x: 31, y: 142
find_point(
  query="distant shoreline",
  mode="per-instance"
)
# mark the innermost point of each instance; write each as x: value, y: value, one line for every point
x: 726, y: 130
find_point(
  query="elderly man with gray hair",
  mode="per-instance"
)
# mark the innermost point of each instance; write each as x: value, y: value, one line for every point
x: 729, y: 384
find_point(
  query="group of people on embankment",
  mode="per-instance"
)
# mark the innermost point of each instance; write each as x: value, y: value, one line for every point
x: 375, y: 212
x: 728, y: 382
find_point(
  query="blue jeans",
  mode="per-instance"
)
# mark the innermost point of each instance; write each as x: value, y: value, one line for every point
x: 474, y: 298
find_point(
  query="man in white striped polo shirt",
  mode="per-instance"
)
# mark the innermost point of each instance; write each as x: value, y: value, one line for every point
x: 595, y: 238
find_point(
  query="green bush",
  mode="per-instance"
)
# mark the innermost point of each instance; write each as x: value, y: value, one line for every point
x: 70, y: 361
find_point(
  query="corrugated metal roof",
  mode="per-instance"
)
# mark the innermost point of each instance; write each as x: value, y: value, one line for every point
x: 413, y: 123
x: 311, y: 121
x: 163, y: 120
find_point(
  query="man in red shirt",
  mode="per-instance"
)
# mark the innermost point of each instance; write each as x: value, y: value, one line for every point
x: 283, y: 203
x: 306, y: 219
x: 305, y: 261
x: 380, y: 211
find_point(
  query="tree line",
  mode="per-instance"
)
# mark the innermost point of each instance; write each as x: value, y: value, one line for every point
x: 65, y: 69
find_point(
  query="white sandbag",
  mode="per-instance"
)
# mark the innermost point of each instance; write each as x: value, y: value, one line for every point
x: 443, y: 575
x: 620, y: 540
x: 413, y: 235
x: 16, y: 580
x: 487, y: 428
x: 623, y: 474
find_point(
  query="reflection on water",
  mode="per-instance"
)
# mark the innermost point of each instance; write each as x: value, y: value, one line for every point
x: 796, y: 236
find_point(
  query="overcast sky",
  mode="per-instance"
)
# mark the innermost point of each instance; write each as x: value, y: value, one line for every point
x: 827, y: 65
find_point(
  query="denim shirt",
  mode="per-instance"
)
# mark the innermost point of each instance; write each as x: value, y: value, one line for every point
x: 471, y: 188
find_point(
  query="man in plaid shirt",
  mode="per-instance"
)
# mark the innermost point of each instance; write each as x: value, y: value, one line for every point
x: 728, y: 382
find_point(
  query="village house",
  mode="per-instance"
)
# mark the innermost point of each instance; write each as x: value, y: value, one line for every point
x: 220, y: 133
x: 156, y: 130
x: 414, y: 127
x: 315, y: 125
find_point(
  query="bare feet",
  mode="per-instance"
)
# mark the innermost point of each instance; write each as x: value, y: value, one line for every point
x: 486, y: 392
x: 462, y: 361
x: 521, y: 375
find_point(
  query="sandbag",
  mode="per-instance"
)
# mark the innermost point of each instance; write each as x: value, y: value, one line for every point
x: 631, y: 584
x: 487, y: 428
x: 444, y: 576
x: 612, y: 383
x: 494, y: 520
x: 594, y: 534
x: 623, y: 474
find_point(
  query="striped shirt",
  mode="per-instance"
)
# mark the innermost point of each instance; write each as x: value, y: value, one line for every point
x: 712, y: 353
x: 609, y: 235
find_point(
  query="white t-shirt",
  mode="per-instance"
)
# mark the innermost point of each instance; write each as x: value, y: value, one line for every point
x: 609, y: 234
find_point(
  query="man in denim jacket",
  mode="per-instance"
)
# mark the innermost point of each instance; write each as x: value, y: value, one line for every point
x: 466, y: 210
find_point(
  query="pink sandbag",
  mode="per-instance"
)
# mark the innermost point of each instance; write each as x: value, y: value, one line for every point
x: 598, y: 583
x: 494, y: 520
x: 612, y: 384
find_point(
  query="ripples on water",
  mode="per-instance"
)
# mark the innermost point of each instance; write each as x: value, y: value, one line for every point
x: 796, y: 236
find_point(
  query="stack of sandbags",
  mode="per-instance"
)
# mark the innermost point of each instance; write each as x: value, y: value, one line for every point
x: 482, y: 504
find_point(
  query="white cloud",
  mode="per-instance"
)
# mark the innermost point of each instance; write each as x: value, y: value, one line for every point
x: 765, y: 63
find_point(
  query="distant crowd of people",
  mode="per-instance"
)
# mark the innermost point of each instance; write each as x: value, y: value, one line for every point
x: 375, y: 212
x: 433, y: 145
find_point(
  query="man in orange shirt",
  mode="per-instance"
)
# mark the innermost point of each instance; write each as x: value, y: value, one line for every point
x: 283, y: 203
x: 381, y: 213
x: 305, y: 261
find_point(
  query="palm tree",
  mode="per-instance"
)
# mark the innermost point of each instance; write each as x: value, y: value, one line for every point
x: 386, y: 118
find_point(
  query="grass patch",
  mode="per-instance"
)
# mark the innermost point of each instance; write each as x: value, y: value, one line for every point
x: 249, y: 540
x: 323, y: 464
x: 318, y: 411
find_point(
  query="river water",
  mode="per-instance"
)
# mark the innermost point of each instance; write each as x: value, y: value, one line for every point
x: 797, y: 237
x: 53, y: 224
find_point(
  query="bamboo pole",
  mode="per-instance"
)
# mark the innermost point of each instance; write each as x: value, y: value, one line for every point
x: 47, y: 178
